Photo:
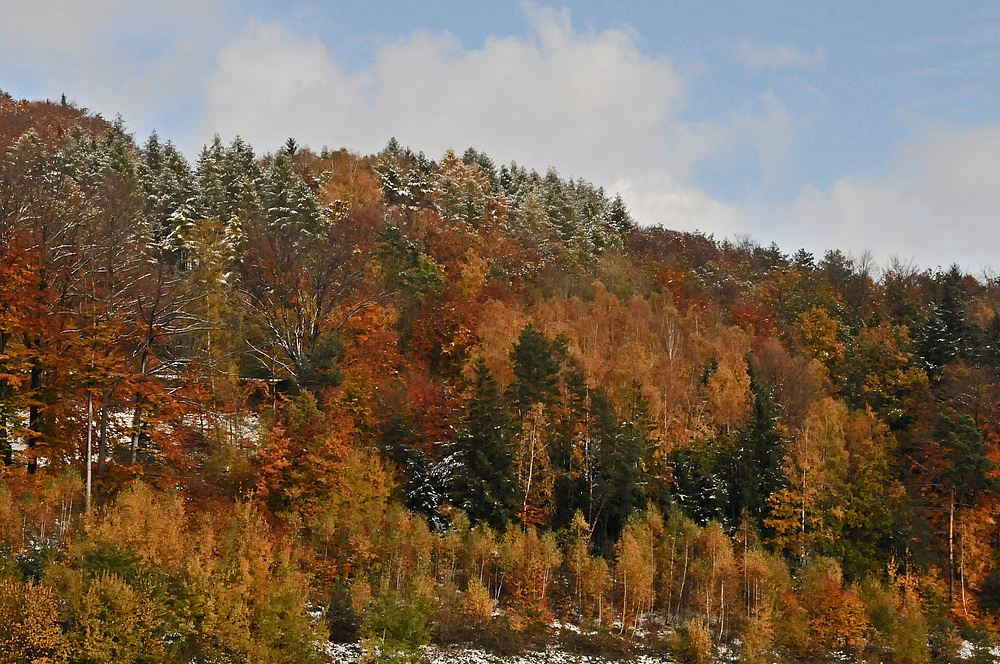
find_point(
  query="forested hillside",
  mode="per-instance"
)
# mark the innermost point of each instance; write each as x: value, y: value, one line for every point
x: 404, y: 400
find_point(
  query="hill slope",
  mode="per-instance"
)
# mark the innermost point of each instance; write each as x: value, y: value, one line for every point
x: 404, y: 399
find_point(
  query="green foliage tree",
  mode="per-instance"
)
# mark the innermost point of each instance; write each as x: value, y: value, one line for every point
x: 946, y: 333
x: 537, y: 362
x: 968, y: 476
x: 484, y: 482
x: 752, y: 466
x: 623, y: 443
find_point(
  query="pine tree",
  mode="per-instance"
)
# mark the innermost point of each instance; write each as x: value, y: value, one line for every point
x: 753, y: 467
x: 623, y: 440
x: 573, y: 458
x: 969, y: 475
x: 166, y: 181
x: 536, y: 370
x: 618, y: 217
x: 484, y: 479
x: 990, y: 346
x: 945, y: 334
x: 700, y: 491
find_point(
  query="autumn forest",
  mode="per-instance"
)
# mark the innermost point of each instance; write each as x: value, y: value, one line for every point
x: 254, y: 403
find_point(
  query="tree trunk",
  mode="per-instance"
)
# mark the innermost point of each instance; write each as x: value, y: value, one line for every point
x: 102, y: 439
x: 34, y: 414
x: 6, y: 449
x: 722, y: 609
x: 624, y: 602
x: 670, y: 582
x: 90, y: 444
x: 137, y: 415
x: 951, y: 549
x: 136, y: 426
x: 680, y: 595
x: 961, y: 569
x: 805, y: 461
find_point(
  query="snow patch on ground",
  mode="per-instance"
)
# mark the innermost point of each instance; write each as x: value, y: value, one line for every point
x: 350, y: 653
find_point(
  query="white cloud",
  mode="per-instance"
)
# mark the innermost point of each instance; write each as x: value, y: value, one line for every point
x: 64, y: 26
x: 939, y: 200
x: 47, y: 30
x: 657, y: 198
x: 144, y: 60
x: 779, y: 55
x: 270, y: 84
x: 590, y: 104
x: 771, y: 133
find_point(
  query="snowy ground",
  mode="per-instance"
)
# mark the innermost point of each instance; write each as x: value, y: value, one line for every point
x: 341, y: 653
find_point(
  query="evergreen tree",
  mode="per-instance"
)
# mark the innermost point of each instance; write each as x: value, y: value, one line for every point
x: 700, y: 491
x: 804, y: 259
x: 990, y: 344
x: 623, y: 440
x: 945, y: 334
x: 483, y: 482
x: 486, y: 166
x: 288, y: 203
x: 228, y: 181
x: 571, y: 459
x: 537, y: 362
x: 211, y: 199
x: 752, y: 468
x: 969, y: 474
x: 618, y: 216
x: 166, y: 181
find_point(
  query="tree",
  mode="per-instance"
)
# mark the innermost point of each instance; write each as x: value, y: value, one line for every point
x: 574, y: 447
x: 623, y: 442
x: 752, y: 467
x: 880, y: 373
x: 299, y: 272
x: 537, y: 362
x: 818, y: 336
x: 635, y: 569
x: 837, y: 617
x: 873, y: 499
x: 587, y: 574
x: 696, y: 486
x: 29, y: 624
x: 533, y: 394
x: 484, y: 482
x: 807, y: 515
x: 18, y: 297
x: 528, y: 560
x: 968, y: 476
x: 946, y: 333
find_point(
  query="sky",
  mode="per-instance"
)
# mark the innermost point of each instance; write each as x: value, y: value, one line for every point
x: 861, y: 126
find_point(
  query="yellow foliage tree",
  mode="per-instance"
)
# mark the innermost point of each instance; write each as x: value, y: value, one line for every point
x: 30, y: 629
x: 807, y: 513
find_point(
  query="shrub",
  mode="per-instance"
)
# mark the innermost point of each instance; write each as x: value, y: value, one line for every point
x: 341, y: 619
x: 910, y: 638
x: 693, y: 643
x: 397, y: 624
x: 29, y: 624
x: 758, y: 636
x: 605, y: 643
x: 478, y: 602
x: 880, y: 605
